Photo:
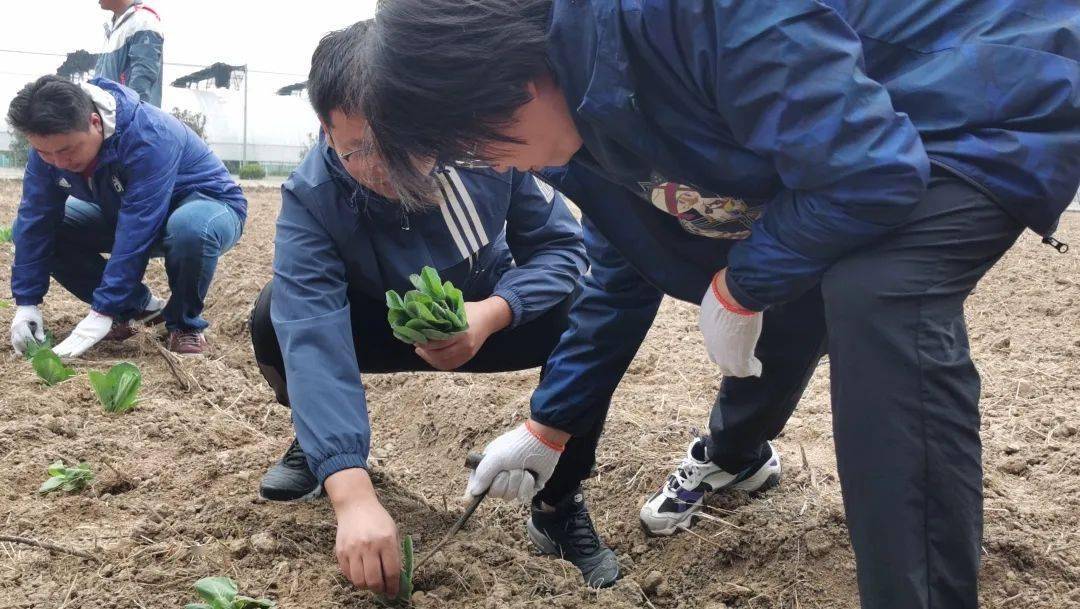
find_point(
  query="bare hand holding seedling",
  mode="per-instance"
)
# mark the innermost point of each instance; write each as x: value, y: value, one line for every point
x: 485, y: 318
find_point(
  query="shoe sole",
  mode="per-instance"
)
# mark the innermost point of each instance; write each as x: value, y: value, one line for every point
x: 755, y: 485
x: 542, y: 542
x: 311, y: 496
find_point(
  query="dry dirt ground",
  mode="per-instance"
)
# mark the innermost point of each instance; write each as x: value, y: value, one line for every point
x: 175, y: 495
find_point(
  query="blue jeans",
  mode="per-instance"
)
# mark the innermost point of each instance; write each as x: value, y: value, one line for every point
x: 197, y: 232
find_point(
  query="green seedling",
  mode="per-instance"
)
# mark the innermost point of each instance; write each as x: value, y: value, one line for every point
x: 33, y: 346
x: 49, y: 367
x: 6, y: 234
x: 433, y: 311
x: 67, y: 479
x: 405, y: 585
x: 4, y: 304
x: 221, y: 593
x: 118, y: 390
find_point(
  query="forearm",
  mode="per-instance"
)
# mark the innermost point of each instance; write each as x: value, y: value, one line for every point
x: 349, y: 488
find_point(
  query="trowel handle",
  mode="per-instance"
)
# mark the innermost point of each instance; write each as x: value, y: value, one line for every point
x: 472, y: 460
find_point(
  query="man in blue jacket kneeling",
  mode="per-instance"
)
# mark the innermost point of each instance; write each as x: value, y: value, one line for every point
x: 108, y: 173
x: 343, y: 239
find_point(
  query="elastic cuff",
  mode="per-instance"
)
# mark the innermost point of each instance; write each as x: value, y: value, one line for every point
x: 336, y: 463
x: 560, y: 425
x: 746, y: 300
x: 516, y: 305
x: 28, y: 302
x: 543, y: 440
x: 730, y: 306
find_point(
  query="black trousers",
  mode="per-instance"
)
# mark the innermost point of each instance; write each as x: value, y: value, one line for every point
x: 905, y: 396
x: 377, y: 351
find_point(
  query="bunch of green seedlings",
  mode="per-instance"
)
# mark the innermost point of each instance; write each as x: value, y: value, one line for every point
x: 433, y: 311
x: 67, y: 479
x: 118, y: 390
x: 222, y: 593
x: 6, y: 234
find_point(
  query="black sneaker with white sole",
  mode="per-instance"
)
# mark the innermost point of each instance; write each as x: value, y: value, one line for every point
x: 290, y: 479
x: 567, y: 531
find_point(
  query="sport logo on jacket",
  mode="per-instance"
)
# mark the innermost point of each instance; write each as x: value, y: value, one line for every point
x: 701, y: 213
x: 63, y: 183
x: 117, y: 185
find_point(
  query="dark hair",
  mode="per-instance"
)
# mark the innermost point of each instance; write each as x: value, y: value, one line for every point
x: 336, y: 67
x: 50, y: 105
x: 445, y: 77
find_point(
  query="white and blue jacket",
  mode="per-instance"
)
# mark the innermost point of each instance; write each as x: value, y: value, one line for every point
x: 133, y: 52
x: 507, y: 235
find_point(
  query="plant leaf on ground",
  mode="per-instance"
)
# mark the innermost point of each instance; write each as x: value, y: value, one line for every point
x: 68, y: 479
x: 405, y: 585
x: 6, y: 234
x: 222, y: 593
x: 433, y: 311
x: 118, y: 389
x: 32, y: 346
x: 49, y: 367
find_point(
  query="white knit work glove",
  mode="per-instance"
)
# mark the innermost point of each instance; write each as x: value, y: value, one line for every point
x: 90, y: 330
x: 26, y: 326
x: 509, y: 464
x: 731, y: 333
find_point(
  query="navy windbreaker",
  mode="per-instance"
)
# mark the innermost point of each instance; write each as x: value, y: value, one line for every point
x: 812, y: 124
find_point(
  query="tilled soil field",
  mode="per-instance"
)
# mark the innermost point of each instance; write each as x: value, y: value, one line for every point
x: 175, y: 495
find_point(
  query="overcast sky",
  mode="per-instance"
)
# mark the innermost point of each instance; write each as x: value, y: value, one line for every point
x: 270, y: 35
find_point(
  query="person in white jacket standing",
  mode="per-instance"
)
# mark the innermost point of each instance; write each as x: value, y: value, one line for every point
x: 133, y: 54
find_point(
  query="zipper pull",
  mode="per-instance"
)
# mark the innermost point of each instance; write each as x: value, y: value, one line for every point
x: 405, y: 220
x: 1054, y: 243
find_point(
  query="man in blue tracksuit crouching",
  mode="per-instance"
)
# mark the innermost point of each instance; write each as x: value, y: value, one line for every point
x: 109, y: 173
x: 343, y: 239
x: 818, y: 174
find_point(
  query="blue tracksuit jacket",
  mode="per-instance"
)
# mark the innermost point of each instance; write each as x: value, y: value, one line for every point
x: 133, y: 55
x: 495, y: 234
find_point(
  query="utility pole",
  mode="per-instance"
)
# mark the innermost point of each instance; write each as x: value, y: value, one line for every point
x: 243, y: 153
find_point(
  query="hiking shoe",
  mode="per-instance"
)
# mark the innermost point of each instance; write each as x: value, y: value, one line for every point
x: 290, y: 479
x: 152, y: 315
x: 187, y: 342
x: 121, y: 331
x: 683, y: 494
x: 567, y: 532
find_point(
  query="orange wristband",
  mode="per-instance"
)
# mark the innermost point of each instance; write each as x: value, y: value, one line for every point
x: 730, y: 306
x: 553, y: 446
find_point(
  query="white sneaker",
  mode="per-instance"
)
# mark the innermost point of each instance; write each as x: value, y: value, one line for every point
x: 683, y: 494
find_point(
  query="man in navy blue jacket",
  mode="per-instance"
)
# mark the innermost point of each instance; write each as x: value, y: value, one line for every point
x: 813, y: 172
x: 343, y: 239
x: 111, y: 174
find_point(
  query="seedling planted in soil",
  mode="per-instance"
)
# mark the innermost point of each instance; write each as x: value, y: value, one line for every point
x: 68, y: 479
x: 221, y: 593
x: 49, y: 367
x: 405, y: 585
x: 433, y: 311
x: 6, y: 234
x: 32, y: 346
x: 118, y: 390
